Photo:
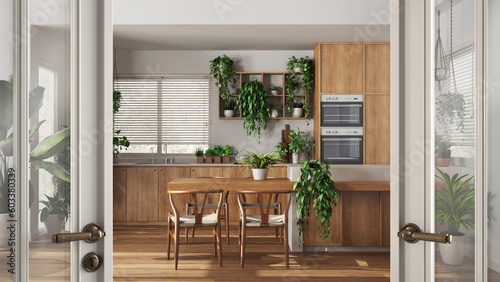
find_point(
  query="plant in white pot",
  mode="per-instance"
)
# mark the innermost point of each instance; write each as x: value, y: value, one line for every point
x: 297, y: 109
x: 229, y: 107
x: 299, y: 144
x: 275, y: 107
x: 454, y: 206
x: 260, y: 163
x: 54, y: 214
x: 274, y: 90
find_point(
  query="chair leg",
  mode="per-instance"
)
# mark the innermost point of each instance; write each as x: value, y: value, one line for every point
x: 239, y: 239
x: 243, y: 238
x: 219, y: 244
x: 187, y: 213
x: 226, y: 215
x: 285, y: 233
x: 176, y: 254
x: 280, y: 228
x: 214, y: 233
x: 168, y: 239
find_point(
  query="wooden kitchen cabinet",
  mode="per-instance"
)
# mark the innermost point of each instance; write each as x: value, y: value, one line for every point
x: 167, y: 174
x: 341, y: 68
x: 142, y: 194
x: 377, y: 68
x: 119, y: 194
x: 361, y: 219
x: 377, y: 129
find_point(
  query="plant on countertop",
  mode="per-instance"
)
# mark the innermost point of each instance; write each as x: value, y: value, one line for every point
x: 305, y: 84
x: 230, y: 104
x: 455, y: 202
x: 217, y: 149
x: 222, y: 69
x: 281, y: 150
x: 120, y: 142
x: 300, y: 143
x: 227, y: 151
x: 263, y: 161
x: 198, y: 152
x: 443, y: 145
x: 54, y: 205
x: 322, y: 192
x: 209, y: 153
x: 450, y: 110
x: 252, y: 100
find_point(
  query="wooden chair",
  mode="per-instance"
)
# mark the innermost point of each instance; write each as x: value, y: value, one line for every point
x: 264, y: 219
x: 197, y: 220
x: 212, y: 206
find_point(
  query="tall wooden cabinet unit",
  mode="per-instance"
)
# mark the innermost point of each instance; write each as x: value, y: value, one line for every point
x: 357, y: 68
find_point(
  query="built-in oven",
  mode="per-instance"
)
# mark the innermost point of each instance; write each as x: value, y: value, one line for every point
x: 341, y: 110
x: 342, y: 145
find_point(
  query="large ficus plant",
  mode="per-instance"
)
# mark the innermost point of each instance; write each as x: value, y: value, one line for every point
x: 222, y: 69
x: 252, y: 98
x: 315, y: 186
x: 47, y: 148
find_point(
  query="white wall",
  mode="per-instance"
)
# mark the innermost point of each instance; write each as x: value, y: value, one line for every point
x: 189, y: 62
x: 493, y: 106
x: 6, y: 33
x: 251, y: 12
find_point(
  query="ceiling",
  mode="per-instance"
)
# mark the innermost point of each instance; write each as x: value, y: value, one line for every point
x: 242, y: 37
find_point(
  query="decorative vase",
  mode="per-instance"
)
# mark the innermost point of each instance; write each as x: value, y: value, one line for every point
x: 259, y: 173
x: 274, y: 113
x: 53, y: 224
x: 228, y: 113
x: 199, y: 160
x: 297, y: 69
x: 217, y: 159
x: 297, y: 112
x: 295, y: 158
x: 226, y: 159
x: 274, y: 92
x: 442, y: 162
x: 453, y: 254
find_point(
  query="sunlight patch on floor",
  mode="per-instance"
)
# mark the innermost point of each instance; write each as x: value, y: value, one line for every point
x: 361, y: 263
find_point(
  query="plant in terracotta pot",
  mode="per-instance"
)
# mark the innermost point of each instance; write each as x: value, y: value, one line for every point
x: 217, y: 149
x: 454, y: 206
x: 199, y: 155
x: 226, y: 154
x: 54, y: 214
x: 260, y: 163
x: 222, y: 69
x: 209, y: 154
x: 442, y: 150
x: 315, y: 188
x: 229, y: 107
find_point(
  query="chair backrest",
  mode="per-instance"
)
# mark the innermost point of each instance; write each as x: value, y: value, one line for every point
x: 199, y: 198
x: 264, y: 199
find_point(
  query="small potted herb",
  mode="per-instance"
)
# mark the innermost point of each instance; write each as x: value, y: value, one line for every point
x: 260, y: 163
x: 209, y: 156
x: 274, y: 90
x: 226, y: 154
x: 229, y: 107
x: 443, y: 151
x: 199, y: 155
x: 298, y: 109
x: 275, y: 107
x: 217, y: 149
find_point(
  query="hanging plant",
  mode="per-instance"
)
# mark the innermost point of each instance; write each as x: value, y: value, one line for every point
x: 315, y: 184
x: 222, y: 69
x: 303, y: 81
x: 252, y: 98
x: 450, y: 110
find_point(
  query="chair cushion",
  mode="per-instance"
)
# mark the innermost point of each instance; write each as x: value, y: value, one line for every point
x: 188, y: 220
x: 255, y: 220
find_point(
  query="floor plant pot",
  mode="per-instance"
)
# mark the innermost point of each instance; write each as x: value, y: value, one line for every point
x: 53, y: 224
x: 295, y: 158
x: 297, y: 112
x: 226, y: 159
x: 274, y: 113
x: 228, y: 113
x: 442, y: 162
x: 259, y: 173
x: 453, y: 254
x: 199, y: 160
x: 4, y: 231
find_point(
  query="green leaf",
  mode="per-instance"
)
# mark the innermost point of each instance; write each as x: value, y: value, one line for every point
x: 36, y: 100
x: 6, y: 107
x: 54, y: 169
x: 35, y: 127
x: 51, y: 145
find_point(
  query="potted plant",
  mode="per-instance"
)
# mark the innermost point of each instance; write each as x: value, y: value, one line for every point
x: 297, y: 109
x: 315, y: 187
x: 274, y: 90
x: 199, y: 155
x: 226, y: 154
x: 302, y: 81
x: 281, y: 151
x: 275, y: 107
x: 222, y: 69
x: 217, y: 149
x: 442, y: 151
x: 293, y: 64
x: 260, y: 163
x: 209, y: 154
x: 54, y: 214
x: 454, y: 206
x: 299, y: 144
x: 229, y: 107
x: 252, y: 100
x: 119, y: 142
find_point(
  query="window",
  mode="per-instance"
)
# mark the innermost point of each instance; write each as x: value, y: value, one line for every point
x: 171, y: 111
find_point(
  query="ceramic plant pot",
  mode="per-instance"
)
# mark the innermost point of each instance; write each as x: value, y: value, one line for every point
x: 274, y: 92
x: 53, y: 224
x: 274, y: 113
x: 297, y: 112
x: 442, y: 162
x: 259, y: 173
x: 453, y: 254
x: 295, y: 158
x: 297, y: 69
x: 228, y: 113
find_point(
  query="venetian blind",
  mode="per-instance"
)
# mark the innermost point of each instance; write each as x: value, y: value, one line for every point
x: 158, y: 111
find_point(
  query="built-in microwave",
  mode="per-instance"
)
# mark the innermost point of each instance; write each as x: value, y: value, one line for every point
x: 341, y: 110
x: 342, y: 145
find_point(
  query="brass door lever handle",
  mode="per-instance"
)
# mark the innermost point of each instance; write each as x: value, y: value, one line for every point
x: 411, y: 234
x: 91, y: 233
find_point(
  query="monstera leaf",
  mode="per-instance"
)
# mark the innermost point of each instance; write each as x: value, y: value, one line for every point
x: 51, y: 145
x: 53, y: 169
